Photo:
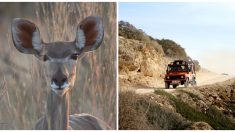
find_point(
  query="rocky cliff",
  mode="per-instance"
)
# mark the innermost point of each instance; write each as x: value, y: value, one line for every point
x: 143, y: 59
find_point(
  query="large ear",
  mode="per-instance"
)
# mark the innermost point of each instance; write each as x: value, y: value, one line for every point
x: 26, y: 36
x: 90, y: 33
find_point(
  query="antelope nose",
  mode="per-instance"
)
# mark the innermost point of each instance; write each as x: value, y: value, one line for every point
x: 59, y: 80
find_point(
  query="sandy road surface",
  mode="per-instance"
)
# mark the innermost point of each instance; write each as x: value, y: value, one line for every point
x: 204, y: 77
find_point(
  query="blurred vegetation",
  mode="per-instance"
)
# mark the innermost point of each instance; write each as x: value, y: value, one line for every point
x: 23, y: 88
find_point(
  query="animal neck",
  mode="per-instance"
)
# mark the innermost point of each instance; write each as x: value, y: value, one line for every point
x: 58, y: 111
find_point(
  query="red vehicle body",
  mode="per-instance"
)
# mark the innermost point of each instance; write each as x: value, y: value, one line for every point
x: 180, y: 72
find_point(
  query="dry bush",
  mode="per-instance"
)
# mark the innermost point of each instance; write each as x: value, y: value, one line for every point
x: 130, y: 32
x: 94, y: 92
x: 140, y: 112
x: 172, y: 49
x: 131, y: 118
x: 215, y: 118
x: 197, y: 65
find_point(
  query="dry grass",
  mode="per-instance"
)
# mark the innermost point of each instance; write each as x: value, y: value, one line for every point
x: 140, y: 112
x: 213, y: 116
x: 24, y: 99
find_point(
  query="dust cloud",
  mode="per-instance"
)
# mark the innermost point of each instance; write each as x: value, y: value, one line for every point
x: 219, y: 61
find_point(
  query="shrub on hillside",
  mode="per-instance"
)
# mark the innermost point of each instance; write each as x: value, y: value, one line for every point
x: 197, y: 65
x: 172, y: 49
x: 213, y: 116
x: 140, y: 112
x: 163, y: 47
x: 128, y: 31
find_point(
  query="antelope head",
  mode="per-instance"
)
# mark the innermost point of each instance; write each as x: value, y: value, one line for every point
x: 60, y: 58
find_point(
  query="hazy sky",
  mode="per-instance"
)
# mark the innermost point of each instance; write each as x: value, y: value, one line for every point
x: 205, y: 30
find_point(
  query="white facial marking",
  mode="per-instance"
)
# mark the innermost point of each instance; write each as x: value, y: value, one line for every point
x: 65, y: 88
x: 80, y: 42
x: 54, y: 86
x: 65, y: 85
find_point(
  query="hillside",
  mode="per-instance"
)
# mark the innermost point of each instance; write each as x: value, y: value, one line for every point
x: 203, y: 108
x: 208, y: 106
x: 142, y: 59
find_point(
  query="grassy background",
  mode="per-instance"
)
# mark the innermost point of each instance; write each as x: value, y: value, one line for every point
x: 23, y: 88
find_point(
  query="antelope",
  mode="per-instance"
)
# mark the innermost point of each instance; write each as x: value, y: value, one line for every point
x: 60, y: 60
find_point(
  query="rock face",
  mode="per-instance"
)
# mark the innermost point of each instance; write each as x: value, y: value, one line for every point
x: 140, y: 60
x: 139, y: 56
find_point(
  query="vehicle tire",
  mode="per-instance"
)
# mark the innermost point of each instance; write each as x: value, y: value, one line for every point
x: 174, y: 86
x: 167, y: 85
x: 194, y: 83
x: 186, y: 83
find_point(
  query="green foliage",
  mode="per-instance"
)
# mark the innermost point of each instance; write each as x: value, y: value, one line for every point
x: 213, y: 116
x: 191, y: 94
x: 172, y: 49
x: 132, y: 34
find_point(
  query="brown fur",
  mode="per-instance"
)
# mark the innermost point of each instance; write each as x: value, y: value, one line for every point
x: 90, y: 31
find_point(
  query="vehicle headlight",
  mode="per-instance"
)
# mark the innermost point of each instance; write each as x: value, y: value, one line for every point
x: 182, y: 76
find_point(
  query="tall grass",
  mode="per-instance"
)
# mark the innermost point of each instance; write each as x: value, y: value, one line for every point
x: 24, y: 101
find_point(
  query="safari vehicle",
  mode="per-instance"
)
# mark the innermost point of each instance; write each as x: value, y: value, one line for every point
x: 180, y: 72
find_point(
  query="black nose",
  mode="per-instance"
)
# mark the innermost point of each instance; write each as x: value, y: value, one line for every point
x: 59, y: 80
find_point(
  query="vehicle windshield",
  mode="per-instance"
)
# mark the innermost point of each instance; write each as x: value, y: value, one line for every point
x: 173, y: 68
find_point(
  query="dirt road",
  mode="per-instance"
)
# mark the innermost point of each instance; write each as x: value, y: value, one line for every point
x: 204, y: 77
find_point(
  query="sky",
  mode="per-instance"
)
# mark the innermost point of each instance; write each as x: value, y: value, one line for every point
x: 205, y: 30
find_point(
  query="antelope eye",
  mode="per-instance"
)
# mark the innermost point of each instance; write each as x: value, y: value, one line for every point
x: 45, y: 58
x: 74, y: 56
